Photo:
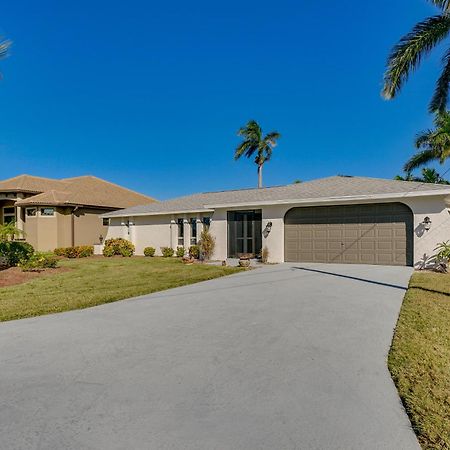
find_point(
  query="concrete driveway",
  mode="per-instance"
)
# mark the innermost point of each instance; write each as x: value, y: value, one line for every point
x: 291, y: 356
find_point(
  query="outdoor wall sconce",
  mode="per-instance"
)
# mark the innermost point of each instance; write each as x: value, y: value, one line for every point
x: 100, y: 238
x: 426, y: 223
x: 267, y: 229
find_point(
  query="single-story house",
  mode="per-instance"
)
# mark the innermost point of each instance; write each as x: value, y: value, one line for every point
x: 339, y: 219
x: 62, y: 213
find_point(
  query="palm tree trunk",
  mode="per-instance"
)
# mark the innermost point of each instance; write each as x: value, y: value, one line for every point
x: 260, y: 175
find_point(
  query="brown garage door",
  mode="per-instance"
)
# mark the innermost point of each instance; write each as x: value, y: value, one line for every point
x: 379, y: 233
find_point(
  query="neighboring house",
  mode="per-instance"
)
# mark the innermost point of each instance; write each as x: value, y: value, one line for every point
x: 336, y: 219
x: 62, y: 213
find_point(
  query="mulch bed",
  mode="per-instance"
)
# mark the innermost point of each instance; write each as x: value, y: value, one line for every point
x: 14, y: 275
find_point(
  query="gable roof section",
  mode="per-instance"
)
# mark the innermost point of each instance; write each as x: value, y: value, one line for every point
x: 323, y: 189
x: 82, y: 191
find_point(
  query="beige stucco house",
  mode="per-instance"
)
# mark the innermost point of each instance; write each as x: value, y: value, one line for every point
x: 62, y: 213
x: 336, y: 219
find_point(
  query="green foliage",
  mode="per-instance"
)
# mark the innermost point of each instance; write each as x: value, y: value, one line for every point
x: 194, y: 251
x: 407, y: 55
x: 180, y: 252
x: 9, y: 231
x: 428, y: 176
x: 118, y: 247
x: 433, y: 145
x: 39, y: 261
x: 167, y: 252
x: 80, y: 251
x: 254, y: 142
x: 443, y: 251
x: 15, y: 251
x: 149, y: 251
x: 207, y: 243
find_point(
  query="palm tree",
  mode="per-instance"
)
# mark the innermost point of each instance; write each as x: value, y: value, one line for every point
x: 5, y: 44
x: 255, y: 142
x: 428, y: 176
x: 407, y: 55
x: 433, y: 145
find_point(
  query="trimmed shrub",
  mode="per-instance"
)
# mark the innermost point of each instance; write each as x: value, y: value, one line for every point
x: 167, y: 252
x: 80, y: 251
x: 118, y: 246
x: 207, y: 244
x: 264, y: 255
x: 180, y: 252
x: 39, y: 261
x: 194, y: 251
x: 15, y: 251
x: 149, y: 251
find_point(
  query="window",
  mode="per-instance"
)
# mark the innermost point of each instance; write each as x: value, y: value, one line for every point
x: 180, y: 223
x: 206, y: 222
x: 193, y: 224
x: 47, y: 211
x: 106, y: 222
x: 9, y: 214
x: 31, y: 212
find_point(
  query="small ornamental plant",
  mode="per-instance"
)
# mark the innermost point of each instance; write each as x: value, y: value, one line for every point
x: 39, y: 261
x: 194, y: 251
x: 80, y: 251
x: 206, y: 244
x: 180, y: 252
x: 149, y: 251
x: 167, y: 252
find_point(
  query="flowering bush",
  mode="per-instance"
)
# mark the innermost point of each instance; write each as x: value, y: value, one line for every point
x: 118, y: 246
x: 80, y: 251
x: 180, y: 252
x: 194, y: 251
x: 14, y: 251
x: 167, y: 252
x: 39, y: 261
x: 149, y: 251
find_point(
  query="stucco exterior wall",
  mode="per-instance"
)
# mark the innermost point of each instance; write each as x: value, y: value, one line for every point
x: 158, y: 231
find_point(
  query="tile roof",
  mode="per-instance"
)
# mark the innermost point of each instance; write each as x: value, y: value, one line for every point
x: 85, y: 190
x: 315, y: 190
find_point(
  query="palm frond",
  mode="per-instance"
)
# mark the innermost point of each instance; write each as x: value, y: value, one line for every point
x: 420, y: 159
x: 443, y: 4
x: 5, y: 45
x: 423, y: 139
x: 408, y: 53
x: 440, y: 97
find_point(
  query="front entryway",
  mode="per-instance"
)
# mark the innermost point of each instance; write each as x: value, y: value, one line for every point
x: 244, y: 233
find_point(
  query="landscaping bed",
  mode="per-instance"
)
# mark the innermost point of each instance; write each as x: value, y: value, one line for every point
x: 92, y: 281
x: 419, y: 359
x: 15, y: 275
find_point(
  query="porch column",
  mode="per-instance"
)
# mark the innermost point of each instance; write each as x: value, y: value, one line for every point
x: 187, y: 233
x: 173, y: 233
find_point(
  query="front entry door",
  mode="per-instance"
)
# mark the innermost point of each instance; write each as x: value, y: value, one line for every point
x: 244, y: 233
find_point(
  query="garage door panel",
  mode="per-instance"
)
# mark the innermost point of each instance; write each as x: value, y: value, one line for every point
x: 365, y: 234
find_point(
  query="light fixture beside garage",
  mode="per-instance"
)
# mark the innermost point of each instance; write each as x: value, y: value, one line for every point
x: 267, y: 229
x: 426, y: 223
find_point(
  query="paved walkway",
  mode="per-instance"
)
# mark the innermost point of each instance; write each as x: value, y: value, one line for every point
x: 291, y: 356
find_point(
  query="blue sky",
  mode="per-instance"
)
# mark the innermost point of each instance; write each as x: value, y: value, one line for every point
x: 150, y: 94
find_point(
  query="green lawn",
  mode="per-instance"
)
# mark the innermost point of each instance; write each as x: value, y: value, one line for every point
x: 419, y: 359
x: 93, y: 281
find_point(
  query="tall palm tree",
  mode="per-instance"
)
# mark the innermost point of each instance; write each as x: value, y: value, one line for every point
x: 5, y: 44
x: 409, y: 51
x: 433, y: 145
x: 256, y: 143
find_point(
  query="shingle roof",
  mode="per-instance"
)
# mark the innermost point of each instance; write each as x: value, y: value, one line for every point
x: 85, y: 190
x: 323, y: 188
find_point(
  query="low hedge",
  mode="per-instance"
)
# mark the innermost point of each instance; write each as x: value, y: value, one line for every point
x: 39, y: 261
x: 15, y: 251
x: 80, y: 251
x: 167, y: 252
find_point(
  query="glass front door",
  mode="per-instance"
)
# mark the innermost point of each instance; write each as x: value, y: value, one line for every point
x: 244, y: 233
